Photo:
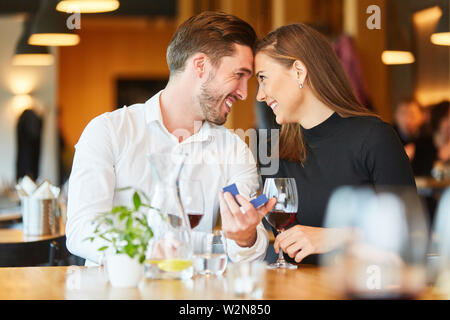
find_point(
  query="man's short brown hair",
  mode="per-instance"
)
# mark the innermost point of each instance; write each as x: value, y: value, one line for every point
x: 213, y: 33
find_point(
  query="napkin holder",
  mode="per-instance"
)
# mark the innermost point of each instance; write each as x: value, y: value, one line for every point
x: 40, y: 216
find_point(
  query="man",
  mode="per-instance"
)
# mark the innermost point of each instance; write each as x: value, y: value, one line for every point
x: 412, y: 129
x: 408, y: 121
x: 210, y: 59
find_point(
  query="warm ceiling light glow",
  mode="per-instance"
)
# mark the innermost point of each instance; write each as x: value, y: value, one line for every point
x: 51, y: 28
x: 87, y: 6
x: 432, y: 94
x: 429, y: 15
x: 441, y: 39
x: 32, y: 59
x: 28, y: 55
x: 22, y: 81
x: 441, y: 35
x: 54, y: 39
x: 21, y: 102
x: 397, y: 57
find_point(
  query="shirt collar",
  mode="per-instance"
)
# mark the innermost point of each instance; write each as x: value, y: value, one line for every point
x: 153, y: 114
x: 153, y: 109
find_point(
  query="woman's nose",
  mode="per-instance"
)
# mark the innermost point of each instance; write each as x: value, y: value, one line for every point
x: 260, y: 96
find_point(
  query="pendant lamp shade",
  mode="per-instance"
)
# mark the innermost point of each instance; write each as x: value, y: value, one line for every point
x: 441, y: 35
x: 396, y: 57
x: 398, y: 41
x: 50, y: 27
x: 87, y: 6
x: 28, y: 55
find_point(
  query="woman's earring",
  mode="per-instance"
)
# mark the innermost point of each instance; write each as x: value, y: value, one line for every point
x: 301, y: 85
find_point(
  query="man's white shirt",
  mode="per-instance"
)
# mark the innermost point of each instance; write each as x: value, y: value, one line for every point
x: 113, y: 153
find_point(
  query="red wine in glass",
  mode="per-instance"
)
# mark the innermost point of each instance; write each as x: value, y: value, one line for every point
x: 284, y: 212
x: 280, y: 220
x: 194, y: 219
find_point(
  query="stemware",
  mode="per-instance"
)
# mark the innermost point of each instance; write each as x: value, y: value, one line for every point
x: 192, y: 198
x: 383, y: 255
x: 284, y: 212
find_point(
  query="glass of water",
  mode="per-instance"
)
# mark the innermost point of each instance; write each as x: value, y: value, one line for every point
x: 247, y: 280
x: 210, y: 253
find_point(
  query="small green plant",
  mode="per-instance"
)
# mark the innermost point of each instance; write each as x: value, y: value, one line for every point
x: 125, y: 229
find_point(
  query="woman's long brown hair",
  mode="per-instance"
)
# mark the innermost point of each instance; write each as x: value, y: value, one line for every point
x: 326, y: 78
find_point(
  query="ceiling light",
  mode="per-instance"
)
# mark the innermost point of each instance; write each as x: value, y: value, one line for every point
x: 50, y: 27
x: 28, y: 55
x: 391, y: 57
x: 441, y: 35
x: 87, y: 6
x: 398, y: 42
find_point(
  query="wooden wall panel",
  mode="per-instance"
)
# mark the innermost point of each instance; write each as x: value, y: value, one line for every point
x: 109, y: 48
x: 432, y: 83
x: 370, y: 44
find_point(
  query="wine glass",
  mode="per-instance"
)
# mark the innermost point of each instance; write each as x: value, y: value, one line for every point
x: 383, y: 253
x: 441, y: 244
x: 284, y: 212
x: 192, y: 199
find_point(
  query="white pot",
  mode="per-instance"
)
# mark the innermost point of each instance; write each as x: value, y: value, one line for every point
x: 123, y: 272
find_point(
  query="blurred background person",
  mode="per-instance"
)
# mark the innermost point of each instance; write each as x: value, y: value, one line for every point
x: 29, y: 131
x: 408, y: 121
x: 415, y: 133
x: 440, y: 124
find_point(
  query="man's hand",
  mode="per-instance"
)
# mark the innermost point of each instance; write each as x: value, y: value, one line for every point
x: 238, y: 226
x: 301, y: 241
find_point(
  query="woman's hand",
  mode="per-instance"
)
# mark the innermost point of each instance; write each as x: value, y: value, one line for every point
x: 301, y: 241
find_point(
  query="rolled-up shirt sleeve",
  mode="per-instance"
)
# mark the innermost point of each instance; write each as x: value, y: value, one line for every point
x: 243, y: 172
x: 91, y: 188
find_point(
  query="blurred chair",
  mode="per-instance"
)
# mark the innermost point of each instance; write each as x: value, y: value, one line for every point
x: 49, y: 252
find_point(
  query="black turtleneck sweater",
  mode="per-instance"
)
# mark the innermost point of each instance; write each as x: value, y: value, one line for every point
x: 345, y: 151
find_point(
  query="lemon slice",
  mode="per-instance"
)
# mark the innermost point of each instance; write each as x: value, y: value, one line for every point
x: 174, y: 265
x: 150, y: 261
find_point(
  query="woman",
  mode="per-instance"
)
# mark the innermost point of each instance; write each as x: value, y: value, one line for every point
x: 328, y: 139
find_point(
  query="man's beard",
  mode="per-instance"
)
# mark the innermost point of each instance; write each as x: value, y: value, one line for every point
x: 211, y: 103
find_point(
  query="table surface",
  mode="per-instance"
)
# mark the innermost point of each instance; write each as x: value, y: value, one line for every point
x: 79, y: 283
x: 16, y: 235
x: 431, y: 183
x: 10, y: 214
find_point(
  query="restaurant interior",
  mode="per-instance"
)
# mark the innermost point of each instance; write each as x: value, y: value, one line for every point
x: 396, y: 54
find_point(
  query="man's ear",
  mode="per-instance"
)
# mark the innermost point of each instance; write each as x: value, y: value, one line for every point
x: 199, y: 61
x: 300, y: 70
